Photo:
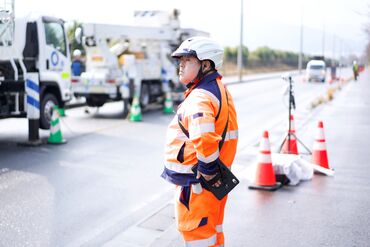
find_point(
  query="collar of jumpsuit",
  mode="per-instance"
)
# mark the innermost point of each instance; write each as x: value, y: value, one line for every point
x: 197, y: 83
x: 203, y: 113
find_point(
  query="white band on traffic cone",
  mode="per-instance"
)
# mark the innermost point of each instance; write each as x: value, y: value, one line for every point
x: 264, y: 158
x: 319, y: 146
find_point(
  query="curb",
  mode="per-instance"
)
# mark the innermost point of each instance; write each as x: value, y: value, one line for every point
x: 329, y: 95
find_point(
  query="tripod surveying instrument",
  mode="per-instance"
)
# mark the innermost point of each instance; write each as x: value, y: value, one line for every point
x: 291, y: 133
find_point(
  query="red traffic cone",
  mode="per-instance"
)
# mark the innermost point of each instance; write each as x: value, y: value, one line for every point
x: 265, y: 175
x: 319, y: 154
x: 290, y: 143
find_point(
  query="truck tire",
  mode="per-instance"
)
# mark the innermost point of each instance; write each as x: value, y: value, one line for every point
x: 46, y: 109
x: 126, y: 107
x: 144, y: 95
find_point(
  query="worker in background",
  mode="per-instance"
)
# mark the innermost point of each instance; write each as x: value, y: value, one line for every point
x: 202, y: 116
x: 77, y: 64
x: 333, y: 71
x: 355, y: 70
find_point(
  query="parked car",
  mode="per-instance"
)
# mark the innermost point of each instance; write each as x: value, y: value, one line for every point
x: 316, y: 70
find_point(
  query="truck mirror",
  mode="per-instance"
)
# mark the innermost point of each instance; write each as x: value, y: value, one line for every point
x: 78, y: 35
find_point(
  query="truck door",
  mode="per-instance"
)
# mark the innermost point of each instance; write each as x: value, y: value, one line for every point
x: 55, y: 63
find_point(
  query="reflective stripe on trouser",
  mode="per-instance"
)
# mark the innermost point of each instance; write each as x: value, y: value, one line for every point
x: 199, y: 217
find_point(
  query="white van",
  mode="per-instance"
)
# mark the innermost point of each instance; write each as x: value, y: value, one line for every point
x: 316, y: 70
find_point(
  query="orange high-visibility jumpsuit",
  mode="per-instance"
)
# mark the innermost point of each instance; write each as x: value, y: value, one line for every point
x: 204, y: 112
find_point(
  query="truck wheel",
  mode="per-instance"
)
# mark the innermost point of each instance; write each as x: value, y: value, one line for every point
x: 126, y: 107
x: 46, y: 109
x: 144, y: 96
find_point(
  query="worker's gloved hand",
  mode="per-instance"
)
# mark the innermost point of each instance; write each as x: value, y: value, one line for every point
x: 209, y: 178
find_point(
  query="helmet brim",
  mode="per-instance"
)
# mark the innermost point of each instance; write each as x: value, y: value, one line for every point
x: 184, y: 53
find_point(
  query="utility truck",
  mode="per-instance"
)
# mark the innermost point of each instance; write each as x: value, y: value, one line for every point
x: 123, y: 62
x: 33, y: 44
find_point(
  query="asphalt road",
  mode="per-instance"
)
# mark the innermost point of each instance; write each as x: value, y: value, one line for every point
x: 106, y: 178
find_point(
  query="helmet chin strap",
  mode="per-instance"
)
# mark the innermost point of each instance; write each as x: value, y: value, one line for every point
x: 201, y: 74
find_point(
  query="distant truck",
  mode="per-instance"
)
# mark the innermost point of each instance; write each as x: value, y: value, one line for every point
x: 316, y: 70
x: 123, y: 62
x: 33, y: 44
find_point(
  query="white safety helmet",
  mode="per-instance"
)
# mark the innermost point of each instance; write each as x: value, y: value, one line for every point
x: 203, y: 48
x: 77, y: 53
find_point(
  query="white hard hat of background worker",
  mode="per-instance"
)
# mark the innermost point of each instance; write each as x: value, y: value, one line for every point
x: 206, y: 51
x: 77, y: 53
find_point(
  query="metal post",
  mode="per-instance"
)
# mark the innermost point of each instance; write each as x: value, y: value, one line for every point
x: 323, y: 41
x: 333, y: 46
x: 240, y: 50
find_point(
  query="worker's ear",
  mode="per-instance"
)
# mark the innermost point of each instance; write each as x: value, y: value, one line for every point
x: 205, y: 65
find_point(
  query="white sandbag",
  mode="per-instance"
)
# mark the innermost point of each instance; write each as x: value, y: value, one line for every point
x: 292, y: 166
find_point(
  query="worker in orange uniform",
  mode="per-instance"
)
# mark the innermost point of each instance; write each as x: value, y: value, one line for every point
x: 193, y: 138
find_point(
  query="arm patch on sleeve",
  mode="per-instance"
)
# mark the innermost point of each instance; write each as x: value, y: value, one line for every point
x: 196, y: 115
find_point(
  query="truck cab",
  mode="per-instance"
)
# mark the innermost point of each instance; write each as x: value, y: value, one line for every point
x: 39, y: 45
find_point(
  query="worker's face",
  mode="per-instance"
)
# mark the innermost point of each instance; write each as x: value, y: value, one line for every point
x: 188, y: 69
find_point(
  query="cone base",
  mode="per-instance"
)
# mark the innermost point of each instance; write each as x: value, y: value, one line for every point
x: 135, y: 118
x: 267, y: 188
x: 63, y: 141
x: 168, y: 110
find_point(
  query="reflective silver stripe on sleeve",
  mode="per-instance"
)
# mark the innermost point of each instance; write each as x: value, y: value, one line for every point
x: 219, y: 228
x: 234, y: 134
x: 198, y: 129
x: 179, y: 168
x: 202, y: 242
x: 209, y: 158
x: 197, y: 188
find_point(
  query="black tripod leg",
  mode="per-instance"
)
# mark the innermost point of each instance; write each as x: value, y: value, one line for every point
x: 307, y: 149
x: 287, y: 137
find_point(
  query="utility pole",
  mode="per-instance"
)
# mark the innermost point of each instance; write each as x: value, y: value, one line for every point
x: 323, y: 41
x: 240, y: 50
x: 300, y: 57
x: 333, y: 46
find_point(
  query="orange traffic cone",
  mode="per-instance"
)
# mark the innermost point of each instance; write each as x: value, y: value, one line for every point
x: 319, y: 154
x: 265, y: 175
x: 290, y: 144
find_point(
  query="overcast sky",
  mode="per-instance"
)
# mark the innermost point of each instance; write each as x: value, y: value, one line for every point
x: 266, y: 22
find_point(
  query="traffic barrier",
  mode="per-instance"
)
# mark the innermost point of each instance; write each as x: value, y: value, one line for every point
x: 55, y: 130
x: 319, y: 154
x: 290, y: 142
x: 265, y: 176
x: 168, y: 104
x: 135, y: 111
